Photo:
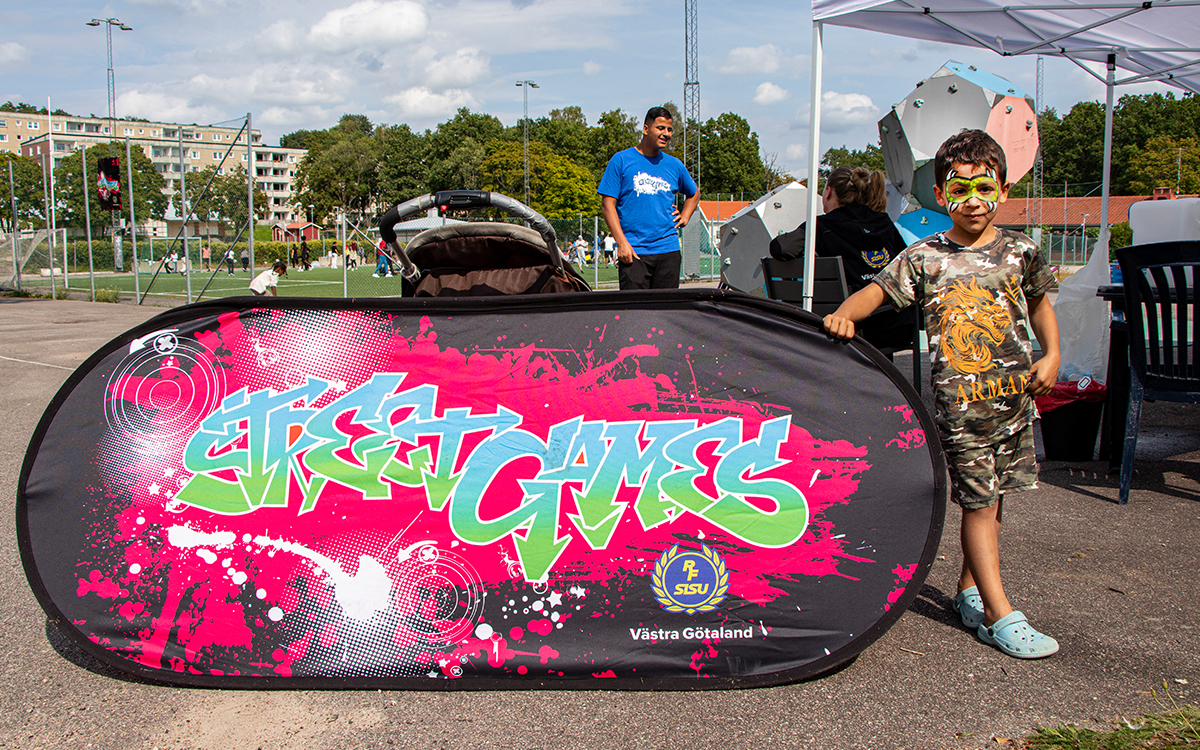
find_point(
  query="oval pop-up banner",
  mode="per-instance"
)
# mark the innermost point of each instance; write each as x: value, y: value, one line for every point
x: 613, y: 490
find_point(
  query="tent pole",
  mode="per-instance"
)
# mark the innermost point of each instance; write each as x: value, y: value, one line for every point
x: 1108, y: 136
x: 814, y: 162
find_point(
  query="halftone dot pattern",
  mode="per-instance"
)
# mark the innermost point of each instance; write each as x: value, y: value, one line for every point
x: 439, y: 594
x: 161, y: 391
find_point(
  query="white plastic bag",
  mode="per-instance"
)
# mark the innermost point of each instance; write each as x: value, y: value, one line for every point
x: 1083, y: 318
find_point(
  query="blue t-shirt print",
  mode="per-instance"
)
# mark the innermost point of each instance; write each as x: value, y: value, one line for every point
x: 645, y: 191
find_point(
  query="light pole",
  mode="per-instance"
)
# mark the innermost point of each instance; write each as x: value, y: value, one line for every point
x: 108, y: 24
x: 1083, y: 235
x: 525, y: 86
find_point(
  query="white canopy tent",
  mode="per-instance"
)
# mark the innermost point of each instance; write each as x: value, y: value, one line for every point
x: 1153, y: 40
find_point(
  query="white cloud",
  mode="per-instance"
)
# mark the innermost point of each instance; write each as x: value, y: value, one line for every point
x: 592, y: 68
x: 768, y: 93
x: 369, y: 23
x: 763, y: 59
x: 463, y: 68
x: 421, y: 102
x: 842, y: 112
x: 796, y: 151
x: 166, y: 107
x: 283, y: 36
x: 12, y: 53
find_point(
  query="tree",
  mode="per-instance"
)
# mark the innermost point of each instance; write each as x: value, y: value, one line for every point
x: 565, y: 131
x: 729, y: 156
x: 403, y: 173
x: 870, y: 157
x: 1166, y: 161
x: 150, y: 202
x: 615, y: 131
x: 27, y: 186
x: 231, y: 199
x: 462, y: 169
x: 341, y: 176
x: 773, y: 174
x: 203, y: 205
x: 558, y: 187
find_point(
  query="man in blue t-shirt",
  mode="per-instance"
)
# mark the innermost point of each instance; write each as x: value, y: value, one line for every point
x: 638, y: 201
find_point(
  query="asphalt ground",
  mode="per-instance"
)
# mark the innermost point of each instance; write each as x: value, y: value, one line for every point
x: 1117, y: 585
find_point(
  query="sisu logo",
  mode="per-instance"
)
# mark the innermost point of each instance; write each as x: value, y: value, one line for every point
x: 247, y: 453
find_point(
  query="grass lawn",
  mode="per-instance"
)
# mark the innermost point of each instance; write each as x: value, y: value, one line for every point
x: 317, y: 282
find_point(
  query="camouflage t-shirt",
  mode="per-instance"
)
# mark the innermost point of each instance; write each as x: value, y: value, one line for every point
x: 974, y: 299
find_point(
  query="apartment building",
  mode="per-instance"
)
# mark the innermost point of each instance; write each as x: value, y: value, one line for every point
x: 45, y: 137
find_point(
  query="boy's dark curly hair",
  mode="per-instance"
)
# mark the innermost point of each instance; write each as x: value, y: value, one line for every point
x: 969, y: 147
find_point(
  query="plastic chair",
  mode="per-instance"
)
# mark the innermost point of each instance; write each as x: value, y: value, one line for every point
x: 784, y: 281
x: 1161, y: 311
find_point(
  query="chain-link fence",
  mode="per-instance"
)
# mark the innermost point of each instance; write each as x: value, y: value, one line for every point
x: 1067, y: 249
x: 170, y: 269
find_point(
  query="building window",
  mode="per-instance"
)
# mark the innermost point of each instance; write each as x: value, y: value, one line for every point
x: 33, y: 125
x: 58, y: 126
x: 3, y: 124
x: 216, y: 156
x: 141, y: 130
x: 128, y: 131
x: 195, y: 154
x: 74, y: 127
x: 216, y: 136
x: 3, y: 137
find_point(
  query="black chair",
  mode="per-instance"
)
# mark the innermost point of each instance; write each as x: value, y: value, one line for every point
x: 784, y: 281
x: 1161, y: 312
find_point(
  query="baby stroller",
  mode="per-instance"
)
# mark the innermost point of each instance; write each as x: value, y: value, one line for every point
x: 478, y: 259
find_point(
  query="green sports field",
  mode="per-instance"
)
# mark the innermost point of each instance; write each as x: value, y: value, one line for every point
x: 316, y: 282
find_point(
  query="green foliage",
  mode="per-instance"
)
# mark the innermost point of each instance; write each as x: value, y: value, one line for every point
x: 1142, y: 125
x: 108, y: 295
x: 557, y: 186
x: 29, y: 109
x: 402, y: 171
x: 615, y: 131
x: 870, y: 157
x: 27, y: 185
x: 1166, y: 161
x: 1120, y: 235
x: 150, y: 202
x: 729, y: 155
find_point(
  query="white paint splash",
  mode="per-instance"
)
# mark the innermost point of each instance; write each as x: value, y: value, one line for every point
x: 361, y: 595
x: 185, y: 536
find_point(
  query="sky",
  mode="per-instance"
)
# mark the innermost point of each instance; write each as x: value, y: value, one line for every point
x: 418, y: 61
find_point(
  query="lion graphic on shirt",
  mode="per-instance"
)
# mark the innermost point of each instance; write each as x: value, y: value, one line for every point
x: 973, y: 321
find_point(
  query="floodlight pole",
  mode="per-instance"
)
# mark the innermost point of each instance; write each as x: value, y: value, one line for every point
x: 183, y: 214
x: 526, y: 85
x: 814, y: 162
x: 108, y: 23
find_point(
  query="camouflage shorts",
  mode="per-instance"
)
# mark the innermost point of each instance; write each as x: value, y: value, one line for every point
x: 980, y: 476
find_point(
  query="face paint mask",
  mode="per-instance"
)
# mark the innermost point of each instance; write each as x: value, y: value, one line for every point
x: 959, y: 190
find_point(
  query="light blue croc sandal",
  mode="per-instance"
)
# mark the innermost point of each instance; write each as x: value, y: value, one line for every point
x: 969, y: 606
x: 1013, y: 635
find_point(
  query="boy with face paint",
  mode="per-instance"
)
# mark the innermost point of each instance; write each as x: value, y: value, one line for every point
x: 978, y: 286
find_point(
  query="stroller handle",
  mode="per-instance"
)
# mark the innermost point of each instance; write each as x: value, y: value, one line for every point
x: 462, y: 199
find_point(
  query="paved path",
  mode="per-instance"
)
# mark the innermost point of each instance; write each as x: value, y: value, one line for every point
x: 1116, y: 585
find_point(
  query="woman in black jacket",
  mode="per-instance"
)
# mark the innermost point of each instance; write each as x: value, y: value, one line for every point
x: 855, y: 227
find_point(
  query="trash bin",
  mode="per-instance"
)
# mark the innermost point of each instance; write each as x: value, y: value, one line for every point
x: 1071, y: 419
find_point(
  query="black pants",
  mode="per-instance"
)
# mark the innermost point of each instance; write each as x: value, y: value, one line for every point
x: 659, y: 271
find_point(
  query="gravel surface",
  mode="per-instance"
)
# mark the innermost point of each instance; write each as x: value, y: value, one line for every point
x: 1116, y: 585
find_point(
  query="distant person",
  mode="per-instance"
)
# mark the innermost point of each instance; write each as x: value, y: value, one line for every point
x: 856, y: 227
x: 173, y: 262
x: 230, y: 260
x: 205, y: 255
x: 610, y: 249
x: 983, y: 289
x: 352, y: 255
x: 305, y: 258
x: 383, y: 266
x: 269, y: 280
x: 638, y: 201
x: 246, y: 259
